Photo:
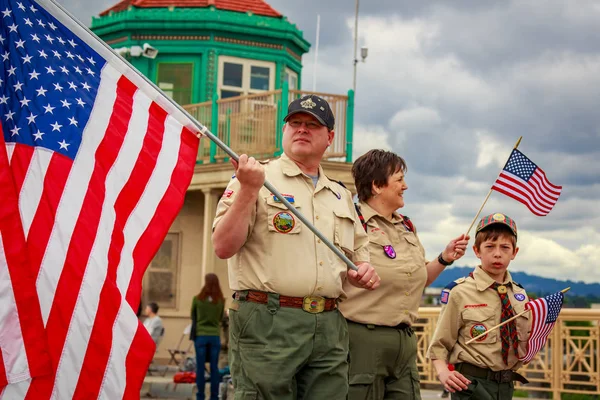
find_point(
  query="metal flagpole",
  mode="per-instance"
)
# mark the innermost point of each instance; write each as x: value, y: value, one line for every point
x: 206, y: 132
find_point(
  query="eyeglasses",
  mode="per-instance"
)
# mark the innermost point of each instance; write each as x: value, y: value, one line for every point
x: 310, y: 125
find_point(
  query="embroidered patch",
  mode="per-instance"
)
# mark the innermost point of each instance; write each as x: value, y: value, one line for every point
x: 284, y: 222
x: 288, y: 197
x: 389, y: 251
x: 444, y: 297
x: 477, y: 331
x: 227, y: 194
x: 475, y: 305
x: 519, y: 296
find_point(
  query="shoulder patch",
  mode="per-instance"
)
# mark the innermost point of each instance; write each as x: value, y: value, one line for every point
x: 446, y: 291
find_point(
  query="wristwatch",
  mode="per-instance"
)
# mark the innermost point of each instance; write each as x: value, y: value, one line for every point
x: 444, y: 262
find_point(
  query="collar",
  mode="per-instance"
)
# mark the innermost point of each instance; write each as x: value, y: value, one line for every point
x: 369, y: 212
x: 484, y: 281
x: 290, y: 168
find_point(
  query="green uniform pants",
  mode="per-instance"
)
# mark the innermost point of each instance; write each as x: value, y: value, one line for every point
x: 383, y: 363
x: 482, y: 389
x: 284, y: 353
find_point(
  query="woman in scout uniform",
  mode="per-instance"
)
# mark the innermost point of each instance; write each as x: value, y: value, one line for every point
x: 383, y: 347
x: 472, y: 305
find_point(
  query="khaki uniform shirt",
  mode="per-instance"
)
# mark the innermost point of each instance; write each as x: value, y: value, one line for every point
x: 472, y: 307
x: 402, y: 278
x: 283, y: 256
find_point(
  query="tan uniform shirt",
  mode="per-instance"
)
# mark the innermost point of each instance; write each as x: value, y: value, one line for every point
x: 472, y: 307
x: 402, y: 278
x: 283, y: 256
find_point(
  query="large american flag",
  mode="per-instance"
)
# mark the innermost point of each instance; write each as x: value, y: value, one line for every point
x: 524, y: 181
x: 544, y: 312
x: 100, y: 162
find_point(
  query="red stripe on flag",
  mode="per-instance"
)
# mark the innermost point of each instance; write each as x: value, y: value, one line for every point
x: 171, y: 202
x: 99, y: 347
x: 551, y: 187
x: 84, y: 233
x: 137, y: 362
x: 519, y: 199
x: 19, y: 164
x: 527, y: 191
x: 3, y: 378
x: 539, y: 180
x: 22, y: 280
x: 55, y: 180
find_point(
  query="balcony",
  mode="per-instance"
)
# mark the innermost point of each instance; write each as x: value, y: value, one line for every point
x: 253, y: 124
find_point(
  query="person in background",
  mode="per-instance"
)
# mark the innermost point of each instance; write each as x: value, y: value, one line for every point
x: 153, y: 323
x: 207, y: 314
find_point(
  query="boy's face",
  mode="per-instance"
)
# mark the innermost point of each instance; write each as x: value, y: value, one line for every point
x: 496, y: 255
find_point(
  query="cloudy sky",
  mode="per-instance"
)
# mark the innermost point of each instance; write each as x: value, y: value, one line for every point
x: 451, y: 86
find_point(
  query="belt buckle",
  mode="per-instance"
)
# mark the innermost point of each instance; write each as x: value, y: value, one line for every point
x: 313, y: 304
x: 505, y: 376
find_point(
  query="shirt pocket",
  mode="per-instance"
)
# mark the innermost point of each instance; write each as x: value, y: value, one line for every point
x: 477, y: 321
x: 280, y: 219
x: 343, y: 230
x: 523, y: 322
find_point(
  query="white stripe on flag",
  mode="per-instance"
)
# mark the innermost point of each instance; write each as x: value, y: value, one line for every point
x: 33, y: 186
x: 16, y: 390
x: 540, y: 202
x: 10, y: 149
x: 84, y: 314
x: 11, y: 336
x: 124, y: 330
x: 153, y: 194
x: 75, y: 190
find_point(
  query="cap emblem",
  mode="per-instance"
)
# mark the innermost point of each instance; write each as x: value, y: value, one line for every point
x: 498, y: 217
x: 308, y: 103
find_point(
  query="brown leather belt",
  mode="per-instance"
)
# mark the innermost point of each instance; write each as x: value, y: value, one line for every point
x: 311, y: 304
x: 486, y: 373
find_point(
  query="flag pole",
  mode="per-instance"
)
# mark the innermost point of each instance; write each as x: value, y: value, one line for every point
x: 489, y: 193
x: 507, y: 321
x: 206, y: 132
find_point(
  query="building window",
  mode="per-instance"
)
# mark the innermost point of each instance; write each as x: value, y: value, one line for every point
x: 292, y: 79
x: 242, y: 76
x: 175, y: 79
x: 160, y: 279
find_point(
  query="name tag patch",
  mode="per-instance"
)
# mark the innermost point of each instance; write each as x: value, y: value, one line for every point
x: 288, y: 197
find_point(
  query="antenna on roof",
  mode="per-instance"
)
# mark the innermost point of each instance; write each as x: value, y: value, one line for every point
x: 314, y: 88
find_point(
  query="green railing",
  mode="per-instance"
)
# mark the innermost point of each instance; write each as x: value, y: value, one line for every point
x: 253, y: 124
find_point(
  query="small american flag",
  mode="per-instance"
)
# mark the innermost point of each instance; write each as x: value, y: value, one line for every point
x: 100, y: 162
x: 524, y: 181
x: 544, y: 312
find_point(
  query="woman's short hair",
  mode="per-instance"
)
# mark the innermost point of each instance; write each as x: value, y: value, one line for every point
x: 375, y: 167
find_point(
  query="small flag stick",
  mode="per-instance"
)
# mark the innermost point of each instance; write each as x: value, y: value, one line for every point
x: 506, y: 322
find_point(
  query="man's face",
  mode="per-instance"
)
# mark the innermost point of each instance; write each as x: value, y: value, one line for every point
x: 305, y: 139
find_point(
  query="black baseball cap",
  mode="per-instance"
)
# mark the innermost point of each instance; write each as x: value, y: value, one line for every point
x: 315, y: 106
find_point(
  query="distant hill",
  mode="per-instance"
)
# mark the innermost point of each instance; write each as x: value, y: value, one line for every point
x: 532, y: 283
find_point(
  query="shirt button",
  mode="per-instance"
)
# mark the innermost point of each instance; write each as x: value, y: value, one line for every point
x: 406, y: 293
x: 405, y: 311
x: 408, y: 273
x: 320, y: 288
x: 320, y: 262
x: 318, y: 240
x: 317, y: 217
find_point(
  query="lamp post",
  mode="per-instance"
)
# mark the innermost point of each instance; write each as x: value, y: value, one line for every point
x: 363, y: 50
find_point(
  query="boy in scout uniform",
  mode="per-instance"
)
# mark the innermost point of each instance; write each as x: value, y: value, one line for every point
x: 484, y: 369
x: 287, y: 338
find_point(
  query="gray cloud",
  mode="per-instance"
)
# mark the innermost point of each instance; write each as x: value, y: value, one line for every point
x: 450, y: 86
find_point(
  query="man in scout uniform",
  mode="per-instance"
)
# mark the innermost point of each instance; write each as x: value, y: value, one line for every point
x: 287, y: 338
x: 471, y: 306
